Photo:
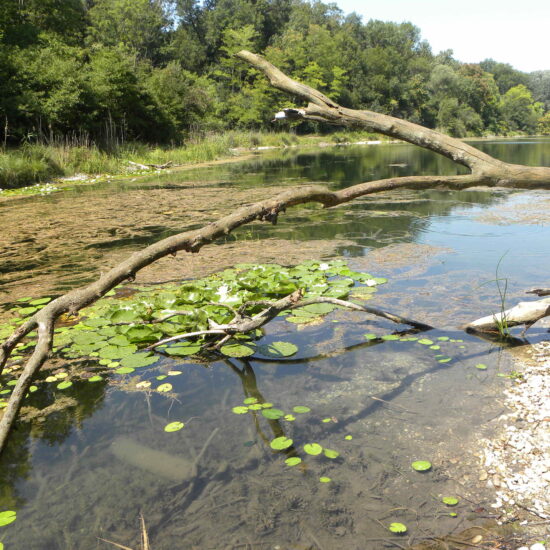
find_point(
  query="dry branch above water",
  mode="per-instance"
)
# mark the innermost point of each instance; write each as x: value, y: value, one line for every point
x: 485, y: 170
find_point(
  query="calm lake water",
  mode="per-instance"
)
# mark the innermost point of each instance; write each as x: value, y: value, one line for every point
x: 88, y: 471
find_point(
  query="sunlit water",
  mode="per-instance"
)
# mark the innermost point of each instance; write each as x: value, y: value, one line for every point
x: 89, y: 471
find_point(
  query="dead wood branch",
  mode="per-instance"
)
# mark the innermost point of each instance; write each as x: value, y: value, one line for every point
x: 524, y: 313
x: 539, y: 291
x: 242, y: 324
x: 320, y: 108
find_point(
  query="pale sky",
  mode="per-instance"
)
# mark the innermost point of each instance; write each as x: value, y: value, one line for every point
x: 510, y: 31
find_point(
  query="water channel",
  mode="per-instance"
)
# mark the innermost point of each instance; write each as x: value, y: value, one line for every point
x: 88, y: 471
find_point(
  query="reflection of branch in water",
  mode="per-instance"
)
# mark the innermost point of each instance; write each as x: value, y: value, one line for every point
x: 250, y: 388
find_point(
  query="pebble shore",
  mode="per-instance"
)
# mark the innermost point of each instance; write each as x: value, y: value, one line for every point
x: 517, y: 464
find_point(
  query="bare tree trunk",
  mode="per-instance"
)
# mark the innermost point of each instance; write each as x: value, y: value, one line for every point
x: 485, y: 170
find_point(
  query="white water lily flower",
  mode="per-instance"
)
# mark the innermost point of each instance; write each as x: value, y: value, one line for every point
x: 324, y: 267
x: 370, y: 282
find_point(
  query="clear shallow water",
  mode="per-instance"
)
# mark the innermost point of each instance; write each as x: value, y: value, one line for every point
x: 90, y: 470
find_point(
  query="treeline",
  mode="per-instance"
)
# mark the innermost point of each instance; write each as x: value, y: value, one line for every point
x: 160, y: 70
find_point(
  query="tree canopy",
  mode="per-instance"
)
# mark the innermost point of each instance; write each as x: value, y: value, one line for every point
x: 158, y: 70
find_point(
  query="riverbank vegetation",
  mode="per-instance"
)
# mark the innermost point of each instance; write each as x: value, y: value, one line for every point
x: 83, y: 85
x: 39, y: 162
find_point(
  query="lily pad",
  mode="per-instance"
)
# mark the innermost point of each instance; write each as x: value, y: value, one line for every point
x: 329, y: 453
x: 289, y: 417
x: 278, y: 349
x: 399, y: 528
x: 450, y: 501
x: 481, y: 366
x: 325, y: 479
x: 138, y: 360
x: 164, y: 388
x: 64, y: 385
x: 293, y: 461
x: 240, y: 410
x: 273, y: 414
x: 250, y: 400
x: 280, y: 443
x: 237, y: 350
x: 421, y: 465
x: 301, y: 409
x: 124, y: 370
x: 96, y: 378
x: 425, y: 341
x: 174, y: 426
x: 313, y: 449
x: 7, y: 517
x: 348, y: 437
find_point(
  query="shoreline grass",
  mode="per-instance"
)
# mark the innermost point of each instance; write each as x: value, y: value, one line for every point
x: 39, y: 163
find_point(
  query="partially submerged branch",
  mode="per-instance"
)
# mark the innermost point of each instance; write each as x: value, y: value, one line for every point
x: 524, y: 313
x: 242, y: 324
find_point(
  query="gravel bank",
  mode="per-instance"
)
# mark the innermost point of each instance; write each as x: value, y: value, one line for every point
x: 517, y: 464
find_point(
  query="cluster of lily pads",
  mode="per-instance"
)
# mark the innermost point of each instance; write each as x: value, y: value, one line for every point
x: 283, y: 443
x: 115, y: 330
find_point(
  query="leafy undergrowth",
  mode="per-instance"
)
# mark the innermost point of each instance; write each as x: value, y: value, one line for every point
x: 112, y: 334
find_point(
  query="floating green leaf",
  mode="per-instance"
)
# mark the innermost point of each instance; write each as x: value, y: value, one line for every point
x: 164, y: 388
x: 301, y: 409
x: 138, y: 360
x: 40, y: 301
x: 240, y: 410
x: 64, y: 385
x: 399, y: 528
x: 174, y: 426
x: 289, y: 417
x: 7, y: 517
x: 371, y: 336
x: 481, y: 366
x: 421, y: 465
x: 425, y: 342
x: 124, y: 370
x: 313, y: 449
x: 348, y: 437
x: 250, y: 400
x: 443, y: 338
x: 278, y: 349
x: 182, y: 351
x: 293, y: 461
x: 450, y: 501
x: 325, y: 479
x: 273, y: 414
x: 280, y: 443
x: 96, y: 378
x: 329, y: 453
x: 326, y: 420
x: 237, y: 350
x: 390, y: 337
x: 444, y: 360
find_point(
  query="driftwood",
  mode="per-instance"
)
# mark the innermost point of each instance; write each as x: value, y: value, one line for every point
x: 151, y: 166
x: 524, y: 313
x: 484, y: 170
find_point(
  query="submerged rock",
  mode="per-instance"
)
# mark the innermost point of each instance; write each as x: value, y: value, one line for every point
x: 156, y: 462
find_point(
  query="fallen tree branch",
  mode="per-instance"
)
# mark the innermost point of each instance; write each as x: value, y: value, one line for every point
x: 539, y: 291
x: 242, y: 324
x: 524, y: 313
x: 322, y: 109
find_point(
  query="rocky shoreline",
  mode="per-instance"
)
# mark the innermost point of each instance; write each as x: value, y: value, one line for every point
x: 517, y: 463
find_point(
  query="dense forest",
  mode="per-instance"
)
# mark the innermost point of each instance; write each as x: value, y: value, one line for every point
x: 161, y: 70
